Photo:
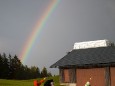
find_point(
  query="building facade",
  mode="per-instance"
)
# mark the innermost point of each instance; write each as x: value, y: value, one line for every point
x: 92, y: 61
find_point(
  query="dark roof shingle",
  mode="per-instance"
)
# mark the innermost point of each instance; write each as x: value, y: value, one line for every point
x: 100, y: 55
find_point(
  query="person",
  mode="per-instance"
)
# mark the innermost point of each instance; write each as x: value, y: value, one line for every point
x: 36, y: 83
x: 87, y: 83
x: 49, y: 83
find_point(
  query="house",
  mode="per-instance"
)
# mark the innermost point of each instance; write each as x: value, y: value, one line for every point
x: 92, y: 61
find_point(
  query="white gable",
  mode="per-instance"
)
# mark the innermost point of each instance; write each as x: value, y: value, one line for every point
x: 92, y: 44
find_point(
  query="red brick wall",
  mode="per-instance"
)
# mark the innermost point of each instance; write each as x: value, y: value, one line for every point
x: 96, y: 76
x: 112, y: 72
x: 66, y: 75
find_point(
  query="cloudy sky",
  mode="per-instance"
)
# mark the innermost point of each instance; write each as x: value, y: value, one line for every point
x: 71, y: 21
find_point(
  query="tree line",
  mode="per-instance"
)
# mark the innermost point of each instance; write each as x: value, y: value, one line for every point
x: 12, y: 68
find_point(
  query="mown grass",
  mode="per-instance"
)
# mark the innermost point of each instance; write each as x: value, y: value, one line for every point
x: 4, y: 82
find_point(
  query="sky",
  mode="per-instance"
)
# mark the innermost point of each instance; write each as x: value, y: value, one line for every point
x: 71, y: 21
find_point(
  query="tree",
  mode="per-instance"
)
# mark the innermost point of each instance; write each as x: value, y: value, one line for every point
x: 35, y: 72
x: 44, y: 72
x: 12, y: 68
x: 1, y: 65
x: 5, y: 66
x: 49, y: 74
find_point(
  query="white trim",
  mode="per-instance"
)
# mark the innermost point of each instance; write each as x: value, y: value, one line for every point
x: 91, y: 44
x: 68, y: 84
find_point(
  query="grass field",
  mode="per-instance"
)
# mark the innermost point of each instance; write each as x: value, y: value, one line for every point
x: 4, y: 82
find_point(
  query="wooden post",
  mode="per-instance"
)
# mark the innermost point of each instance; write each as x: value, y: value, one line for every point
x: 61, y: 75
x: 72, y: 74
x: 107, y: 77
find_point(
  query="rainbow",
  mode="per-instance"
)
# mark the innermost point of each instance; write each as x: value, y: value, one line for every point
x: 37, y: 29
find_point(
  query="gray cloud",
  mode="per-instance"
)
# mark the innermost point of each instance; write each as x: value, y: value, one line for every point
x: 72, y: 21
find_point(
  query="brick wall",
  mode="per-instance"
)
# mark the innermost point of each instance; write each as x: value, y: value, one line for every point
x: 96, y: 76
x: 112, y: 72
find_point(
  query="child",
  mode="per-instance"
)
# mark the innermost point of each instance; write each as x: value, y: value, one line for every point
x: 49, y: 83
x: 87, y: 83
x: 36, y: 83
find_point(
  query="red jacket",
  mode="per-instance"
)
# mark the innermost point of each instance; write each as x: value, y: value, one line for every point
x: 36, y: 83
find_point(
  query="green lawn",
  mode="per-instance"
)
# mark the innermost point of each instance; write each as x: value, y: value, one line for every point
x: 4, y: 82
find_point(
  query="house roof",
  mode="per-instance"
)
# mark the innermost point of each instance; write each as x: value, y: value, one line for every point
x: 89, y: 56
